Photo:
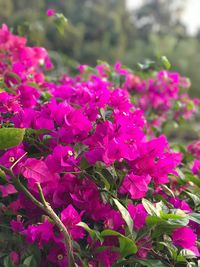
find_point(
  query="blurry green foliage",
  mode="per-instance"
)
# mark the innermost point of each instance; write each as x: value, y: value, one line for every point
x: 108, y: 30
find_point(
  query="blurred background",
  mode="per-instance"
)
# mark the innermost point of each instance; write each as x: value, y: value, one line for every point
x: 126, y: 30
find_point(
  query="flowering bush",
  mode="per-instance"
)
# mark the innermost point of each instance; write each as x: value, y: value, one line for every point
x: 86, y: 177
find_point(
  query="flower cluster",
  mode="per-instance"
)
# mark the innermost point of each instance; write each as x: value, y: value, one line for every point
x: 115, y: 188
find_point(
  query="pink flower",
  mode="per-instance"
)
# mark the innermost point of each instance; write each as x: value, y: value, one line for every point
x: 180, y: 204
x: 138, y: 214
x: 62, y: 159
x: 17, y: 226
x: 194, y: 149
x: 144, y: 247
x: 50, y: 12
x: 40, y: 233
x: 196, y: 166
x: 135, y: 185
x: 7, y: 190
x: 36, y: 171
x: 71, y: 218
x: 184, y: 237
x: 57, y: 254
x: 14, y: 257
x: 114, y: 220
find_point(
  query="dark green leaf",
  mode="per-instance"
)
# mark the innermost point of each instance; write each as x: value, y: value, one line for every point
x: 145, y: 263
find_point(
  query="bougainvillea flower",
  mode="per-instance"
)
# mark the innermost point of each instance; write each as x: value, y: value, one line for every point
x: 135, y: 185
x: 50, y: 12
x: 42, y: 233
x: 71, y: 218
x: 184, y: 237
x: 196, y: 166
x: 138, y: 214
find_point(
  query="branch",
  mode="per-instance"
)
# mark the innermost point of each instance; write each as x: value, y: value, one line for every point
x: 60, y: 225
x: 45, y: 206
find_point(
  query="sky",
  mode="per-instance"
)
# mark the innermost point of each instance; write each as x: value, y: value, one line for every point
x: 191, y: 16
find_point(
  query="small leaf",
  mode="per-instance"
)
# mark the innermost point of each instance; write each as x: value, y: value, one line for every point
x: 93, y: 233
x: 194, y: 198
x: 125, y: 215
x: 168, y: 190
x: 149, y: 207
x: 103, y: 114
x: 60, y: 22
x: 11, y: 137
x: 7, y: 262
x: 195, y: 217
x: 3, y: 179
x: 165, y: 62
x: 188, y: 254
x: 152, y: 220
x: 192, y: 178
x: 127, y: 245
x: 171, y: 216
x: 140, y: 263
x: 30, y: 262
x: 171, y: 248
x: 103, y: 179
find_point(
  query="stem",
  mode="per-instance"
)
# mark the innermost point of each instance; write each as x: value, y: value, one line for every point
x: 45, y: 206
x: 17, y: 161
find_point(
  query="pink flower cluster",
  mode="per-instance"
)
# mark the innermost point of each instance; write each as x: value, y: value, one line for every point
x: 84, y: 128
x: 163, y: 97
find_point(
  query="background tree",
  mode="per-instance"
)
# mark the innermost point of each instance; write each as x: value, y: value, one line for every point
x: 108, y: 30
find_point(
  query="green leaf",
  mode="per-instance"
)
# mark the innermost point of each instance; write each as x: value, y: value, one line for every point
x: 192, y: 178
x: 171, y: 248
x: 127, y: 245
x: 15, y: 76
x: 149, y: 207
x: 109, y: 232
x: 103, y: 114
x: 152, y: 220
x: 7, y: 262
x: 103, y: 179
x: 171, y: 216
x: 125, y: 215
x: 3, y: 179
x: 168, y: 190
x: 194, y: 198
x: 30, y: 131
x: 60, y: 22
x: 84, y: 164
x: 23, y: 29
x: 195, y: 217
x: 30, y: 262
x: 95, y: 235
x: 11, y: 137
x: 165, y: 62
x: 146, y: 262
x: 188, y: 254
